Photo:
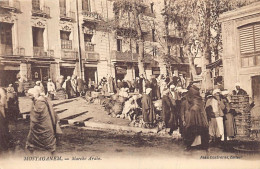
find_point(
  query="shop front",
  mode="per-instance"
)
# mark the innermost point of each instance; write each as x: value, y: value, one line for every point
x: 8, y: 74
x: 91, y: 76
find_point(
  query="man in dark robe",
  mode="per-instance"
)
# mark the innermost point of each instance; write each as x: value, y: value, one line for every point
x: 148, y: 108
x: 239, y: 90
x: 194, y: 120
x: 43, y: 124
x: 80, y: 86
x: 168, y: 116
x: 174, y: 114
x: 69, y: 89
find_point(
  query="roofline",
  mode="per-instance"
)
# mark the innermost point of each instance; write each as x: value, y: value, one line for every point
x: 248, y: 10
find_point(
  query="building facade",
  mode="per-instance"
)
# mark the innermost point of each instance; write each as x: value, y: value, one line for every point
x: 241, y: 49
x: 43, y: 39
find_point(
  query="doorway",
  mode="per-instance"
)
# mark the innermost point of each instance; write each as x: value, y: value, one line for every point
x: 66, y: 71
x: 91, y: 76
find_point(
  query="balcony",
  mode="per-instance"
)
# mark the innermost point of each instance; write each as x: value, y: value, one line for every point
x: 66, y: 44
x: 39, y: 52
x: 66, y: 16
x: 40, y: 11
x: 90, y: 47
x: 68, y: 55
x: 90, y: 54
x: 91, y: 16
x: 174, y: 36
x: 10, y: 5
x: 124, y: 56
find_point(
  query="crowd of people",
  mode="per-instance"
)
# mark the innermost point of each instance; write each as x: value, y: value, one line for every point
x: 164, y: 101
x: 199, y: 119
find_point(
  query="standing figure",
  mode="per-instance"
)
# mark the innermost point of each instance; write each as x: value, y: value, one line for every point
x: 174, y: 116
x: 148, y: 108
x: 43, y: 124
x: 229, y: 120
x: 50, y: 89
x: 194, y: 120
x: 141, y: 84
x: 20, y: 88
x: 4, y: 131
x: 80, y: 87
x: 167, y: 112
x: 74, y: 85
x: 214, y: 109
x: 12, y: 111
x: 68, y: 87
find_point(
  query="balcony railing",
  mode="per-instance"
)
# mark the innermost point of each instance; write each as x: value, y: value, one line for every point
x: 66, y: 44
x: 90, y: 47
x: 91, y: 56
x: 39, y: 52
x: 91, y: 16
x: 40, y: 11
x: 124, y: 56
x: 66, y: 15
x: 69, y: 55
x: 11, y: 5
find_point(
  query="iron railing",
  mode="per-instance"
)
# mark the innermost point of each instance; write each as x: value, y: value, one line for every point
x: 66, y: 44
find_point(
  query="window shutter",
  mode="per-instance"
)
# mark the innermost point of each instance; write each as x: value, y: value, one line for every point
x: 246, y: 39
x: 257, y: 37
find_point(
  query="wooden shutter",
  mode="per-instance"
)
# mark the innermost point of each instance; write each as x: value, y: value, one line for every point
x: 246, y: 39
x: 257, y: 37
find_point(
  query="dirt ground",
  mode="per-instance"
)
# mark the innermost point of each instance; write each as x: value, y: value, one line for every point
x: 82, y: 141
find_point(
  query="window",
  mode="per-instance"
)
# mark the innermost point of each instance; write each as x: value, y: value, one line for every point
x: 6, y: 33
x: 86, y: 5
x: 169, y: 49
x: 153, y: 35
x: 87, y: 38
x: 66, y: 43
x: 152, y: 7
x: 37, y: 37
x: 137, y: 48
x: 64, y: 35
x: 154, y: 51
x: 63, y: 7
x: 119, y: 45
x: 36, y: 4
x: 250, y: 45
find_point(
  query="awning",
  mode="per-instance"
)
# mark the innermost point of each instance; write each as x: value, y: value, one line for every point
x: 214, y: 64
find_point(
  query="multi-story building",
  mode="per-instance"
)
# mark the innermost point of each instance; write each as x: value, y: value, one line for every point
x: 43, y: 39
x: 241, y: 49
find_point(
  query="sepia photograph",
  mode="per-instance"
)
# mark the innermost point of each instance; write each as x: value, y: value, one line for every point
x: 134, y: 84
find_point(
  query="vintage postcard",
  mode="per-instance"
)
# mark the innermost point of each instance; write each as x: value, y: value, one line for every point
x: 129, y: 84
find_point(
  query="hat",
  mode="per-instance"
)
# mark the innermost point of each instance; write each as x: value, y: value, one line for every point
x: 183, y: 90
x: 148, y: 90
x: 215, y: 91
x: 38, y: 82
x: 10, y: 85
x: 225, y: 92
x: 172, y: 86
x: 49, y: 80
x: 34, y: 92
x: 237, y: 84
